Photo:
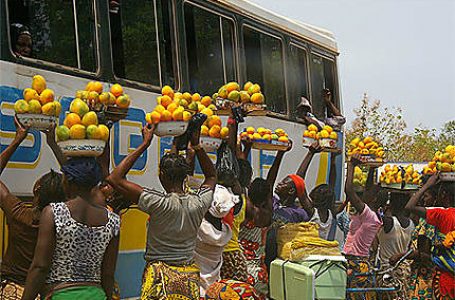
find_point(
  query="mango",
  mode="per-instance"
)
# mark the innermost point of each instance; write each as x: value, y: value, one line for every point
x: 232, y: 86
x: 168, y: 91
x: 71, y: 120
x: 196, y: 97
x: 255, y: 88
x: 63, y: 133
x: 177, y: 115
x: 234, y: 96
x: 30, y: 94
x: 244, y: 97
x: 257, y: 98
x: 104, y: 98
x: 247, y: 86
x: 187, y: 97
x: 93, y: 132
x: 77, y: 132
x: 187, y: 116
x: 49, y: 109
x: 90, y: 118
x: 204, y: 130
x: 116, y: 90
x: 46, y: 96
x: 34, y: 107
x: 79, y: 107
x: 21, y: 107
x: 58, y: 108
x: 313, y: 127
x: 166, y: 116
x: 39, y: 83
x: 223, y: 93
x: 207, y: 111
x: 224, y: 132
x: 206, y: 101
x: 103, y: 132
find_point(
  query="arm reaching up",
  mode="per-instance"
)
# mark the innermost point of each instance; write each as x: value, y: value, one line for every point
x: 50, y: 139
x: 412, y: 204
x: 117, y: 178
x: 21, y: 134
x: 305, y: 200
x: 273, y: 172
x: 207, y: 166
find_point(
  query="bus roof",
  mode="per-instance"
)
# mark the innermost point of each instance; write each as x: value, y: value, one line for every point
x: 315, y: 34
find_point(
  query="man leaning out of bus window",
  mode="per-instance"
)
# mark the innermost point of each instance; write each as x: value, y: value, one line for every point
x: 334, y: 117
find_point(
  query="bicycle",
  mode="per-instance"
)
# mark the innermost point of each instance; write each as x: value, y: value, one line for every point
x: 382, y: 292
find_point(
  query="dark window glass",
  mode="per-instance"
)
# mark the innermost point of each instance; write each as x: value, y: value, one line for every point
x: 297, y: 77
x: 137, y: 47
x: 210, y: 49
x: 264, y: 65
x: 52, y: 27
x: 322, y: 77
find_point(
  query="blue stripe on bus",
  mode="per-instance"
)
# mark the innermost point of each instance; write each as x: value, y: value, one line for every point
x: 128, y: 274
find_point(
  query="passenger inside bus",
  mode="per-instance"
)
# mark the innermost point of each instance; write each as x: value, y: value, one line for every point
x: 21, y: 40
x: 334, y: 117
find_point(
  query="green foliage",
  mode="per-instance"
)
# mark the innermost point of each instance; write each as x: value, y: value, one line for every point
x: 388, y: 126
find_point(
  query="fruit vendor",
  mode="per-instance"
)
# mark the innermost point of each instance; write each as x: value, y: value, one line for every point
x: 334, y: 117
x: 442, y: 217
x: 23, y: 221
x: 170, y: 245
x: 365, y: 224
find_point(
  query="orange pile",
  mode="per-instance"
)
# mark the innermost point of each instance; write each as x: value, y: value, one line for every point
x: 251, y: 93
x: 38, y: 99
x: 93, y: 93
x: 265, y: 135
x: 326, y: 132
x: 212, y: 127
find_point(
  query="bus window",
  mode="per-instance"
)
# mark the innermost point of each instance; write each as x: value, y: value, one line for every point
x: 138, y: 48
x: 297, y: 77
x: 264, y: 65
x: 210, y: 49
x: 322, y: 76
x: 52, y: 26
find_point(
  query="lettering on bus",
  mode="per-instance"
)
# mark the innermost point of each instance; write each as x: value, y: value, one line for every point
x: 28, y: 153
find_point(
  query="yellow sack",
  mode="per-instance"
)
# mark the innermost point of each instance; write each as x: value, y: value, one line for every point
x: 289, y: 232
x: 304, y: 247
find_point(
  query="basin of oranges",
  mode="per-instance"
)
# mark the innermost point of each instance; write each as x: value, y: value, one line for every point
x: 327, y: 137
x: 371, y: 151
x: 249, y: 97
x: 400, y: 177
x: 38, y: 109
x: 81, y: 134
x: 267, y: 139
x: 444, y: 162
x: 170, y: 114
x: 114, y: 103
x: 212, y: 133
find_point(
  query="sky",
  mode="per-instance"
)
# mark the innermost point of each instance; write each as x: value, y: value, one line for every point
x: 401, y: 52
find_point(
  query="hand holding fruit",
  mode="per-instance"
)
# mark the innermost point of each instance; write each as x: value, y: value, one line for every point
x: 147, y: 133
x: 21, y: 130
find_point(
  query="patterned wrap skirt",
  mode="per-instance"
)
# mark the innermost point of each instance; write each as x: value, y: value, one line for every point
x: 231, y: 290
x: 234, y: 266
x: 162, y: 281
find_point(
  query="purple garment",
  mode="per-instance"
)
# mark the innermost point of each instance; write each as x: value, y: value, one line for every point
x: 288, y: 214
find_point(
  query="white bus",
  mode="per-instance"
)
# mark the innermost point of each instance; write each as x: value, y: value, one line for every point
x: 192, y: 45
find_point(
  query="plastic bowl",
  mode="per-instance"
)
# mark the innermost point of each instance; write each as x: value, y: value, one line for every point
x: 37, y: 121
x: 88, y: 148
x: 172, y: 128
x: 210, y: 143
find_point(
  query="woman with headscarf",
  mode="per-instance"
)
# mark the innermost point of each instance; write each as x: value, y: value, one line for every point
x: 23, y: 221
x: 78, y: 240
x: 21, y: 40
x: 442, y: 217
x: 175, y: 218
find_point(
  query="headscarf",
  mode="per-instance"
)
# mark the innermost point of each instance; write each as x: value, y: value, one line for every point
x: 299, y: 183
x: 223, y: 202
x: 83, y: 170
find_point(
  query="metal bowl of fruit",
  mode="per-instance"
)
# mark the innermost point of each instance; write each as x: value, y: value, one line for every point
x: 83, y: 147
x: 210, y: 144
x: 171, y: 128
x: 37, y: 121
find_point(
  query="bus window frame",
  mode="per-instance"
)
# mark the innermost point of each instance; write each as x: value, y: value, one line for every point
x: 38, y: 63
x: 249, y: 24
x: 175, y: 56
x: 235, y: 38
x: 326, y: 55
x: 308, y: 73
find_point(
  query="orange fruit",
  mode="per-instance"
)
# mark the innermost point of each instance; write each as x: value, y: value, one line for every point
x: 71, y: 120
x: 46, y: 96
x: 224, y: 133
x: 207, y: 111
x: 166, y: 100
x: 177, y: 115
x: 206, y: 101
x: 247, y: 85
x: 232, y: 86
x: 166, y: 116
x: 167, y: 91
x: 89, y: 85
x: 172, y: 107
x: 215, y: 131
x: 123, y: 101
x: 196, y: 97
x: 30, y: 94
x: 257, y: 98
x: 204, y: 130
x: 97, y: 87
x: 103, y: 132
x: 214, y: 120
x: 77, y: 132
x: 160, y: 108
x: 186, y: 116
x: 155, y: 117
x: 116, y: 90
